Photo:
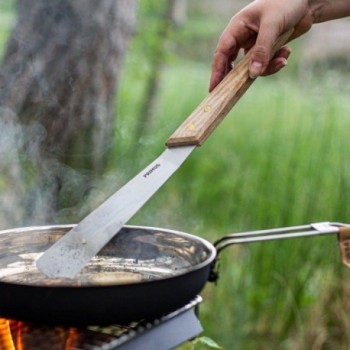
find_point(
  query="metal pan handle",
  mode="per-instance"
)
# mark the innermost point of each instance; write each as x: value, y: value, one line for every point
x: 316, y: 229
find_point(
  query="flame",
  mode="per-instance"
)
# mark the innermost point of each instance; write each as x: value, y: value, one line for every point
x: 73, y: 338
x: 17, y: 335
x: 6, y: 341
x: 16, y: 328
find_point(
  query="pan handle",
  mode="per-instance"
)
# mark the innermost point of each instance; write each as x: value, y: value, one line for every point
x: 316, y: 229
x: 214, y: 108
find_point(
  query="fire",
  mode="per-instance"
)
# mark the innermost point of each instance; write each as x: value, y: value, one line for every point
x: 17, y: 335
x: 6, y: 341
x: 73, y: 338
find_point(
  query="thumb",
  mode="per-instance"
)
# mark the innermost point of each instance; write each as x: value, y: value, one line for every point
x: 262, y: 51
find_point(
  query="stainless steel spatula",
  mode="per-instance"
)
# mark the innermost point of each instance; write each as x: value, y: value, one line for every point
x: 72, y: 252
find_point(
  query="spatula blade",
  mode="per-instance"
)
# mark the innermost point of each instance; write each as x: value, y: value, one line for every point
x: 68, y: 256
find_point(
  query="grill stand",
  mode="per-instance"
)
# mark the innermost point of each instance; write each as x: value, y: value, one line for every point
x: 165, y: 333
x: 172, y: 331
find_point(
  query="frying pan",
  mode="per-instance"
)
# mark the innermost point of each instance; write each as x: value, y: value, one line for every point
x: 142, y: 273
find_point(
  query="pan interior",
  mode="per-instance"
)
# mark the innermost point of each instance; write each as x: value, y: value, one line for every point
x: 134, y: 255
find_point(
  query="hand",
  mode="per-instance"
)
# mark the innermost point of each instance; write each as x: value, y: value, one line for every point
x: 260, y: 23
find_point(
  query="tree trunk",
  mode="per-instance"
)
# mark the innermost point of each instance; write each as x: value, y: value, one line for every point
x: 58, y: 82
x: 174, y: 16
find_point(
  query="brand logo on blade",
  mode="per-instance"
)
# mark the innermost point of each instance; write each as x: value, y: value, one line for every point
x: 149, y: 172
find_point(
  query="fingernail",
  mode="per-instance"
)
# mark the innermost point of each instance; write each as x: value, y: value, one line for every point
x: 284, y: 62
x: 255, y: 69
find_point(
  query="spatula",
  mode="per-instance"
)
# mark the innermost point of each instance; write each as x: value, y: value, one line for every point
x: 68, y: 256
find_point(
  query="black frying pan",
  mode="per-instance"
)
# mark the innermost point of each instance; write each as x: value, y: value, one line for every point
x: 142, y: 273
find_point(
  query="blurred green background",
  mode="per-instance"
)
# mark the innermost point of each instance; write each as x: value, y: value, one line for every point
x: 280, y: 158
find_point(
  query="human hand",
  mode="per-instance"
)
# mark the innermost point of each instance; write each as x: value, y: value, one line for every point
x: 260, y: 23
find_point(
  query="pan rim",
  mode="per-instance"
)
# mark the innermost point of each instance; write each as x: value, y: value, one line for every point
x: 212, y: 253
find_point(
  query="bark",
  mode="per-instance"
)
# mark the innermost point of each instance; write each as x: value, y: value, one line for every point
x: 58, y: 83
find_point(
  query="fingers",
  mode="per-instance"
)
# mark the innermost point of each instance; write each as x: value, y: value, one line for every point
x: 262, y: 51
x: 219, y: 69
x: 227, y: 49
x: 225, y: 52
x: 279, y: 61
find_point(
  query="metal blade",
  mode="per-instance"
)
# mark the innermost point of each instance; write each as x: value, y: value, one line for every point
x: 73, y: 251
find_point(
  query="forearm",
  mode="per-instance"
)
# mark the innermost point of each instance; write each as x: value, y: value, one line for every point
x: 326, y: 10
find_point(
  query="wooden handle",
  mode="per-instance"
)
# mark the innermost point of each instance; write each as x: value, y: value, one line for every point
x: 214, y: 108
x: 344, y: 244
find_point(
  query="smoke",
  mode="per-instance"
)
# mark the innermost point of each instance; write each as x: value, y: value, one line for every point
x: 35, y: 186
x: 58, y: 79
x: 11, y: 189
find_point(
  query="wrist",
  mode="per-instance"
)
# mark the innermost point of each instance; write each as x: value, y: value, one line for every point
x: 317, y: 9
x: 326, y: 10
